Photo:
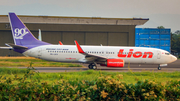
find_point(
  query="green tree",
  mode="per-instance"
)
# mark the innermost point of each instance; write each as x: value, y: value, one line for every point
x: 175, y: 41
x: 161, y: 27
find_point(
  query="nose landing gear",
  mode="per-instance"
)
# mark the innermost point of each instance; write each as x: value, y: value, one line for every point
x: 161, y: 65
x: 159, y: 68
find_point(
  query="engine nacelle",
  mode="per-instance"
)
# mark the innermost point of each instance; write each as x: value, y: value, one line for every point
x: 115, y: 63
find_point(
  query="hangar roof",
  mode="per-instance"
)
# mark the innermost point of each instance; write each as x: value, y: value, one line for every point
x: 77, y: 20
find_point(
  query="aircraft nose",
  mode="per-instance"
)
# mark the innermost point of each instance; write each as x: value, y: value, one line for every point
x: 173, y: 58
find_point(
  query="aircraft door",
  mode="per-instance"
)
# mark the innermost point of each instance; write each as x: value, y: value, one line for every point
x: 158, y: 54
x: 39, y: 52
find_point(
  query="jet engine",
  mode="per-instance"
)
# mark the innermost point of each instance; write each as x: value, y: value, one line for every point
x: 114, y: 63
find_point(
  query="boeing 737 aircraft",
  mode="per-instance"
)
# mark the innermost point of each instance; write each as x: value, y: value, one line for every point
x: 110, y: 56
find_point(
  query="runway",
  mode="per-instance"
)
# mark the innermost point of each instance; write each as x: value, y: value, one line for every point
x: 175, y: 66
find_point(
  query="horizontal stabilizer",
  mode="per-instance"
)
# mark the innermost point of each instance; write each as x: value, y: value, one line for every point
x: 16, y: 46
x: 6, y: 48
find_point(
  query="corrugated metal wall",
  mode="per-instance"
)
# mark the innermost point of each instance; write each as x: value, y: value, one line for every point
x: 153, y: 37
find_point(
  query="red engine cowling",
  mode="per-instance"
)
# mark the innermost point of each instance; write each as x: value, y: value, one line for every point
x: 115, y: 63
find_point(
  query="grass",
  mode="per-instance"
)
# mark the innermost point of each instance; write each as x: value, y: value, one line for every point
x: 87, y: 85
x: 4, y: 70
x: 27, y: 84
x: 91, y: 75
x: 24, y: 62
x: 128, y: 77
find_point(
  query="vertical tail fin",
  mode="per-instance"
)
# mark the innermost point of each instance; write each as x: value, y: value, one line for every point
x: 21, y: 34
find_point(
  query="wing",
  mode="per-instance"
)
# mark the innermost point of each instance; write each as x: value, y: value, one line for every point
x: 90, y: 57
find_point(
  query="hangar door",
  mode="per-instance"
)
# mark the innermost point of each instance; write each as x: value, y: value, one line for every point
x: 69, y: 37
x: 118, y: 39
x: 96, y: 38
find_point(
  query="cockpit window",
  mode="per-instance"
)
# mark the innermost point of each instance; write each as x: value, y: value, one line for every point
x: 167, y: 53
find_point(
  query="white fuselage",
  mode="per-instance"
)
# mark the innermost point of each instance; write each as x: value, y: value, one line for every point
x: 69, y: 53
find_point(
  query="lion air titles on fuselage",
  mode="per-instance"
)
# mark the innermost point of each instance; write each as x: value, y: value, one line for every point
x: 137, y: 54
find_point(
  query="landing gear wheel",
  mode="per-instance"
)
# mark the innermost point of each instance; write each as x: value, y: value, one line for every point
x: 159, y: 68
x: 92, y: 66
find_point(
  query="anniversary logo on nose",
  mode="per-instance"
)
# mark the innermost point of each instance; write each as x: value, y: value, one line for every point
x: 19, y: 33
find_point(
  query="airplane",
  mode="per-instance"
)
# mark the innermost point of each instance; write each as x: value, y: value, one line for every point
x: 109, y: 56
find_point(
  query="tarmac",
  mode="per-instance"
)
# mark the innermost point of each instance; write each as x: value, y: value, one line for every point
x: 172, y: 67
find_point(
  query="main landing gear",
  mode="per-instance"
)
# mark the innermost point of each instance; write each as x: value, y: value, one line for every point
x: 92, y: 66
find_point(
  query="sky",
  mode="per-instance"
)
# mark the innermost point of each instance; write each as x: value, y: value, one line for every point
x: 160, y: 12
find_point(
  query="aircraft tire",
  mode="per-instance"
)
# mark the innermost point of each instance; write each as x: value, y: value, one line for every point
x: 92, y: 66
x: 159, y: 68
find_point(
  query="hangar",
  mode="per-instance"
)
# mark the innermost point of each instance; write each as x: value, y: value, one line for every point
x: 86, y: 30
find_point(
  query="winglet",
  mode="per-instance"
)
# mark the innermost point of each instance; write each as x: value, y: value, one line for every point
x: 60, y: 43
x: 79, y: 47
